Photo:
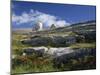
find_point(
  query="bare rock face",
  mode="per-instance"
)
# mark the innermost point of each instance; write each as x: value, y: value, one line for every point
x: 39, y: 51
x: 61, y: 55
x: 38, y: 41
x: 55, y: 52
x: 76, y: 54
x: 58, y: 41
x: 28, y: 51
x: 55, y: 41
x: 70, y: 40
x: 26, y: 41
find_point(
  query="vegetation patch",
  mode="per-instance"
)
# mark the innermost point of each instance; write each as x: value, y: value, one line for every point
x: 83, y: 45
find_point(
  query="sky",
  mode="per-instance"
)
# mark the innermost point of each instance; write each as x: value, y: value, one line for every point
x: 27, y: 14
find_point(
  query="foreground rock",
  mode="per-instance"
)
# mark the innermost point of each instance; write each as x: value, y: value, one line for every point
x: 61, y: 55
x: 39, y: 51
x: 55, y: 52
x: 55, y: 41
x: 78, y: 53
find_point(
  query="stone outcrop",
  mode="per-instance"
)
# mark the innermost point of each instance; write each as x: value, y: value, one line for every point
x: 55, y: 41
x: 39, y: 51
x: 55, y: 52
x: 78, y: 53
x: 61, y: 55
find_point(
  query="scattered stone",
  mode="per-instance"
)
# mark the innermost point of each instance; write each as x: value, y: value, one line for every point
x: 39, y: 51
x: 79, y: 53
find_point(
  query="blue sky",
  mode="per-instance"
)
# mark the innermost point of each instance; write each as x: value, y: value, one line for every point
x: 26, y: 14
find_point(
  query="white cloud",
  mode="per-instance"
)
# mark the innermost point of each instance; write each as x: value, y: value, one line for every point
x: 61, y: 23
x: 34, y: 16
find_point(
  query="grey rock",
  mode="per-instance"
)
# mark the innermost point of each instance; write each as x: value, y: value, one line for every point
x: 39, y: 51
x: 79, y: 53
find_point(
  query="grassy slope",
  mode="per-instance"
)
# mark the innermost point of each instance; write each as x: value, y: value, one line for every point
x: 83, y: 45
x: 36, y: 64
x: 32, y: 65
x: 44, y: 64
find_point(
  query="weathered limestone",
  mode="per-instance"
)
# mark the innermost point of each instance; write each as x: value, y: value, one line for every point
x: 79, y: 53
x: 39, y: 51
x: 55, y: 52
x: 55, y: 41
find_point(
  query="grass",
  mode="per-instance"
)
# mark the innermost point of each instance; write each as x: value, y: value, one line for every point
x: 33, y: 64
x: 36, y: 66
x: 41, y: 64
x: 17, y: 46
x: 83, y: 45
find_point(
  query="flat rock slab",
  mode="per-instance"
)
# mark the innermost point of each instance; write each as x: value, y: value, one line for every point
x: 60, y: 51
x: 53, y: 51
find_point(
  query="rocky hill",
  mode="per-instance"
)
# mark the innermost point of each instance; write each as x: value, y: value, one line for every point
x: 64, y: 36
x: 65, y: 48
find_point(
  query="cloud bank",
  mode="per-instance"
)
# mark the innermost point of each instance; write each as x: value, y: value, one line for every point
x: 34, y: 16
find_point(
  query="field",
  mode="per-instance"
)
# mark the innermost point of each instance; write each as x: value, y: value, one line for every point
x: 50, y: 37
x: 34, y: 63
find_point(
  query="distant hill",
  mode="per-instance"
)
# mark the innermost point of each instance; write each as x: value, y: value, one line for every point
x: 21, y: 30
x: 78, y: 27
x: 64, y: 36
x: 81, y: 27
x: 88, y: 25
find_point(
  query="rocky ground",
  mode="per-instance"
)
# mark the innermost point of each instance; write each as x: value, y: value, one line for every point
x: 60, y: 49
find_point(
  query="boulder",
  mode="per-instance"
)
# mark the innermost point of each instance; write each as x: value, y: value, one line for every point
x: 39, y: 51
x: 58, y: 41
x: 79, y: 53
x: 55, y: 52
x: 70, y: 40
x: 55, y: 41
x: 26, y: 41
x: 28, y: 51
x: 37, y: 41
